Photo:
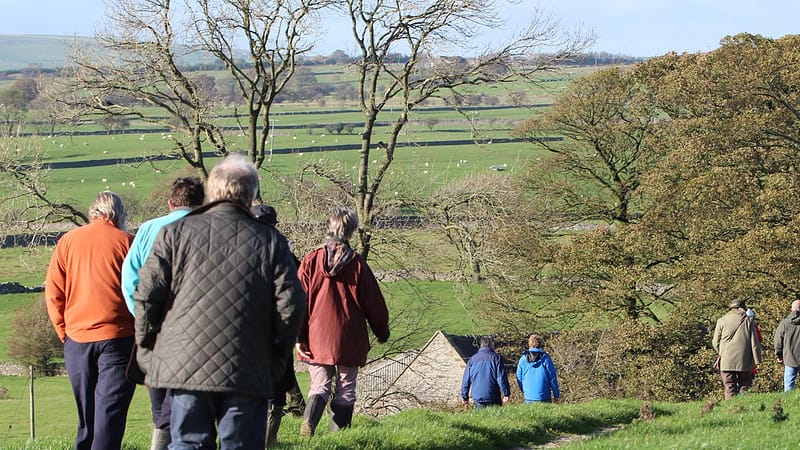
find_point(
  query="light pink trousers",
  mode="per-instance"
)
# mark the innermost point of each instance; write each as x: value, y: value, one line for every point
x: 323, y: 377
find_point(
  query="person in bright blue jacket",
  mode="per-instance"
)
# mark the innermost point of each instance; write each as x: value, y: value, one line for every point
x: 187, y: 193
x: 486, y: 376
x: 536, y: 373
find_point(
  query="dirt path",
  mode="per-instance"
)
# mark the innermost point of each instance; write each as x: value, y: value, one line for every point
x: 566, y: 439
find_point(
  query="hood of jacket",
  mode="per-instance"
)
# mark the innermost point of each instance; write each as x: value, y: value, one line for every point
x: 534, y: 356
x: 337, y: 256
x: 794, y: 318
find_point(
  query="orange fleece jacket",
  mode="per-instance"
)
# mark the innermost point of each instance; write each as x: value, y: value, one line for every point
x: 83, y: 288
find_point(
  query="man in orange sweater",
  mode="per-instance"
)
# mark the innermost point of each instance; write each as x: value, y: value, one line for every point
x: 86, y: 307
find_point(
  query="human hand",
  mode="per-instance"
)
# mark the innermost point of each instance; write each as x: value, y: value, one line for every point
x: 505, y: 399
x: 465, y: 401
x: 303, y: 351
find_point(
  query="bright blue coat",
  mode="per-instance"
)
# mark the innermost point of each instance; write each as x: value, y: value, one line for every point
x: 536, y: 376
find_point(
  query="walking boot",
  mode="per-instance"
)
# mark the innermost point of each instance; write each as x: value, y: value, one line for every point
x: 296, y: 403
x: 274, y: 415
x: 313, y: 413
x: 341, y: 416
x: 160, y: 439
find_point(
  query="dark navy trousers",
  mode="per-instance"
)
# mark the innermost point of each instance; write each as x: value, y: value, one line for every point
x: 160, y: 407
x: 102, y: 392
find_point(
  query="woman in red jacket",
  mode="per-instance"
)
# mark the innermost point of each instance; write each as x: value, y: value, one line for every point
x: 343, y: 297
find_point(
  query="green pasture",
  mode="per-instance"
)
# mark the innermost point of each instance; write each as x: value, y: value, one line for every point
x: 751, y: 421
x: 416, y: 168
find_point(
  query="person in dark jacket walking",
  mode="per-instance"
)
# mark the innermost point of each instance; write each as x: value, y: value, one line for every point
x: 218, y: 290
x: 284, y: 378
x: 486, y: 376
x: 536, y: 373
x: 787, y: 346
x: 343, y: 298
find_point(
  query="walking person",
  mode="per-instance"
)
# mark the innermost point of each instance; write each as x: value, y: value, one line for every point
x: 86, y: 307
x: 737, y: 344
x: 787, y: 346
x: 217, y: 291
x: 486, y: 376
x: 284, y: 378
x: 536, y: 373
x: 186, y: 194
x: 343, y: 298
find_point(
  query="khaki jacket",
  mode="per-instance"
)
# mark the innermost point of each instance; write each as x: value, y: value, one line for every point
x: 736, y: 341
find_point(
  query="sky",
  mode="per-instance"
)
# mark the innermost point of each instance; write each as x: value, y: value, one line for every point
x: 627, y: 27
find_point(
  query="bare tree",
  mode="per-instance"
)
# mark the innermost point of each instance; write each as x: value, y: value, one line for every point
x: 388, y: 87
x: 26, y: 204
x: 148, y: 44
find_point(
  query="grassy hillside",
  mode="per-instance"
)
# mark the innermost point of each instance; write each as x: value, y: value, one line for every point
x: 749, y: 421
x: 40, y: 51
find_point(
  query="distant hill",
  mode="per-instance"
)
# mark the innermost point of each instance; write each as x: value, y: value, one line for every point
x: 22, y: 51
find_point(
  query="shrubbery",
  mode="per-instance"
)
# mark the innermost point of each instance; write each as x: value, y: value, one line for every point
x: 34, y: 342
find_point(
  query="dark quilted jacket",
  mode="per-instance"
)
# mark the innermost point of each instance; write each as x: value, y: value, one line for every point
x: 217, y: 293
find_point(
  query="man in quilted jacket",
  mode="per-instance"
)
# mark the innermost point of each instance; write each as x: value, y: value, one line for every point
x: 217, y: 294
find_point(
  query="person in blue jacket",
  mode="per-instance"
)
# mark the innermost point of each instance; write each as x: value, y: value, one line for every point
x: 187, y: 193
x: 486, y: 376
x: 536, y: 373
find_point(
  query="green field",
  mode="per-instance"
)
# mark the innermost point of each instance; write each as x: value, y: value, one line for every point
x: 752, y: 421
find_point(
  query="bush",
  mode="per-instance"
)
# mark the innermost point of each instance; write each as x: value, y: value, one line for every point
x: 34, y: 341
x: 670, y: 361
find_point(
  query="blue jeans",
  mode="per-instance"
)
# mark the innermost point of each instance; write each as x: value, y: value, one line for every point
x: 102, y: 393
x: 197, y: 417
x: 789, y: 378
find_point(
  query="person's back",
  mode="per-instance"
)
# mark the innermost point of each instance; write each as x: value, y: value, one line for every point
x: 219, y: 289
x: 536, y: 373
x: 787, y: 346
x: 85, y: 305
x: 221, y: 299
x: 343, y: 299
x: 739, y: 349
x: 186, y: 193
x: 485, y: 377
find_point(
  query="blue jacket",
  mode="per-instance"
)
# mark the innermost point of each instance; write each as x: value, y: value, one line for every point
x: 536, y: 376
x: 486, y: 375
x: 140, y: 250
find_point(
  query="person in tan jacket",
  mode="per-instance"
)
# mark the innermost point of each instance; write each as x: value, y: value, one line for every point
x: 737, y: 343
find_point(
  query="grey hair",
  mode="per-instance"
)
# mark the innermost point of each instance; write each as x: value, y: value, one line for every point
x: 108, y: 205
x: 342, y: 223
x: 235, y: 178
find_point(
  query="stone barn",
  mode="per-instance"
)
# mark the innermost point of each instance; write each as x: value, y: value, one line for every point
x: 430, y: 376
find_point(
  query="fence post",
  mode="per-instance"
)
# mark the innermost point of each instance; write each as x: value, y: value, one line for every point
x: 33, y: 426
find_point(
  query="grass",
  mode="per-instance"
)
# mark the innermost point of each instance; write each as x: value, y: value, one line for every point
x: 748, y: 421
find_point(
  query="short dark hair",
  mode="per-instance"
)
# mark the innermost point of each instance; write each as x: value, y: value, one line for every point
x: 486, y: 341
x: 187, y: 191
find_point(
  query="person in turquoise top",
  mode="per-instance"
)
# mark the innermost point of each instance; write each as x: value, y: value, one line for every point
x: 536, y: 373
x: 187, y: 193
